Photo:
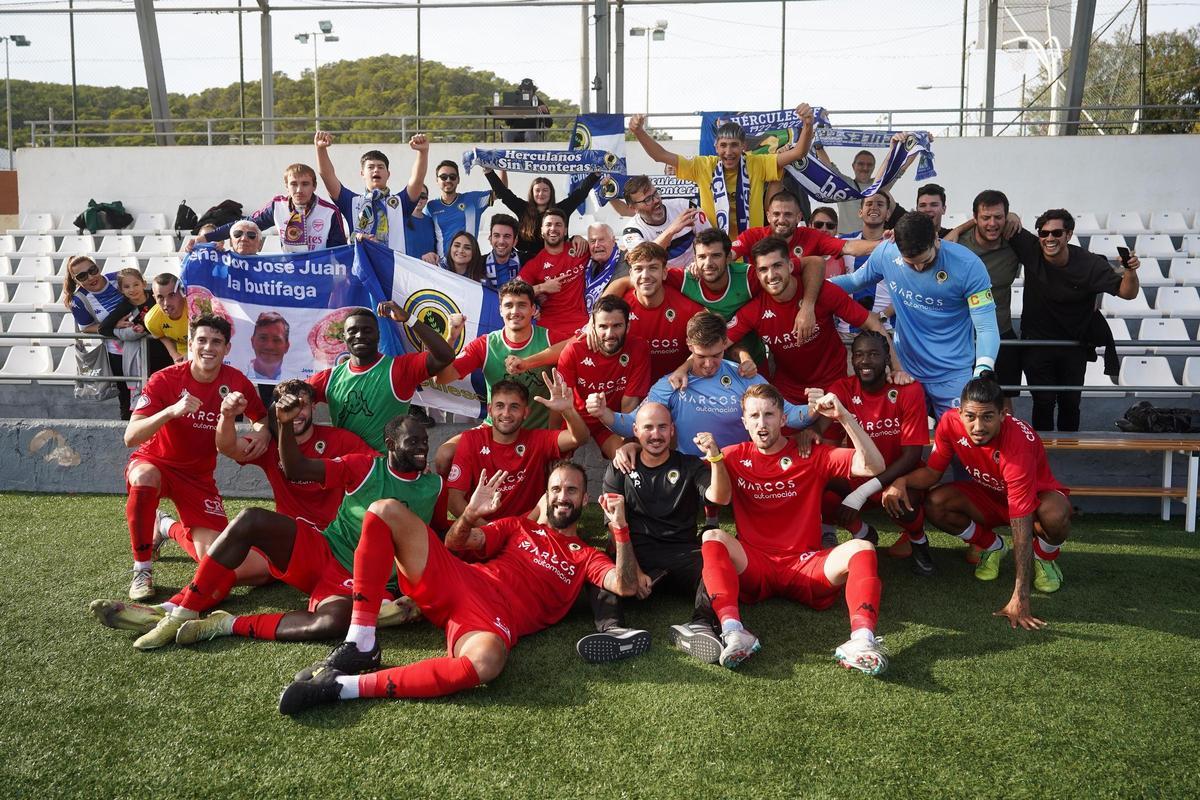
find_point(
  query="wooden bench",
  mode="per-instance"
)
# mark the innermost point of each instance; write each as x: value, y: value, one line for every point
x: 1167, y: 444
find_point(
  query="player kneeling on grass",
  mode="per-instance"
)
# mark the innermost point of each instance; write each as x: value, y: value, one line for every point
x: 894, y: 417
x: 777, y: 511
x: 525, y: 576
x: 315, y: 561
x: 1012, y: 486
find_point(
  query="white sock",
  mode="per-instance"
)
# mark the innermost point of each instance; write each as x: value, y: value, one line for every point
x: 968, y: 533
x: 349, y: 690
x: 996, y: 545
x: 363, y: 637
x: 731, y: 625
x: 863, y: 633
x: 179, y: 612
x: 225, y: 625
x: 167, y: 607
x: 164, y: 525
x: 143, y: 565
x: 1047, y: 548
x: 922, y: 540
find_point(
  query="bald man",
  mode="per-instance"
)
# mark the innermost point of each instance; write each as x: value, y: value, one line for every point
x: 662, y: 497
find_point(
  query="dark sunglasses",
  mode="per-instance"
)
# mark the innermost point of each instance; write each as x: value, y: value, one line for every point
x: 446, y: 176
x: 251, y: 235
x: 90, y: 272
x: 1057, y: 233
x: 831, y: 226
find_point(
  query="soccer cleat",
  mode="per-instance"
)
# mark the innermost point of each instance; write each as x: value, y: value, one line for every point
x: 126, y: 616
x: 871, y: 535
x: 216, y: 624
x: 347, y: 659
x: 973, y: 554
x: 829, y: 539
x: 989, y: 563
x: 160, y: 635
x: 698, y: 640
x: 301, y: 695
x: 863, y: 655
x: 160, y: 538
x: 142, y: 587
x: 739, y: 645
x: 397, y: 612
x: 901, y: 548
x: 613, y: 644
x: 1047, y: 577
x: 922, y: 560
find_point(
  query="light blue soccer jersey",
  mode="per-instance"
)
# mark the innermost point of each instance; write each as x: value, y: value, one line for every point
x: 945, y: 315
x: 463, y: 214
x: 712, y: 405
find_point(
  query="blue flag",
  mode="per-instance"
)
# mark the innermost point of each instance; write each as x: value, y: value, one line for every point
x: 601, y: 132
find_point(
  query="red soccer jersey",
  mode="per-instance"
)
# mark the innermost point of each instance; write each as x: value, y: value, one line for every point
x: 777, y: 497
x: 189, y: 443
x: 1012, y: 463
x: 539, y: 570
x: 894, y: 418
x: 664, y: 328
x: 308, y: 499
x: 818, y: 361
x: 409, y: 371
x: 525, y: 461
x: 626, y: 373
x: 804, y: 242
x: 563, y: 312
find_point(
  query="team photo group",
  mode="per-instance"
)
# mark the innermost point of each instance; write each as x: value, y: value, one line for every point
x: 761, y: 350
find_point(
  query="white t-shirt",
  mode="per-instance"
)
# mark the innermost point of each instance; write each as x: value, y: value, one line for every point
x: 680, y: 249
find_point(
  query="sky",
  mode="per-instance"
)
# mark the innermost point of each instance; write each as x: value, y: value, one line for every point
x: 864, y: 55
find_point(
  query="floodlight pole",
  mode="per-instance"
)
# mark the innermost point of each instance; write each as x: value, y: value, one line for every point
x: 19, y: 41
x: 326, y: 30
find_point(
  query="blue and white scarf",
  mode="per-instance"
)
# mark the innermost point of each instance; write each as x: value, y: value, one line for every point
x: 498, y: 274
x: 594, y: 284
x: 721, y: 196
x: 671, y: 188
x: 828, y: 186
x: 555, y: 162
x: 372, y: 220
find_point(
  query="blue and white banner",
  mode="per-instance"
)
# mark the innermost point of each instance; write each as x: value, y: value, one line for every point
x: 287, y: 309
x: 671, y: 188
x: 828, y: 186
x: 601, y: 132
x: 546, y: 162
x: 766, y: 131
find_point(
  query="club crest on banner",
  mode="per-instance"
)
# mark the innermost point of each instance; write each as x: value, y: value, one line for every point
x: 434, y: 309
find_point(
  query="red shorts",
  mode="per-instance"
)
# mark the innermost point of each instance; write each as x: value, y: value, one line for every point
x: 600, y: 434
x: 312, y: 568
x: 454, y: 595
x: 800, y: 578
x: 992, y: 505
x: 196, y: 498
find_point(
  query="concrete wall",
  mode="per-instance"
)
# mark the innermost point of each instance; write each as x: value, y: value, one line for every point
x: 1084, y: 173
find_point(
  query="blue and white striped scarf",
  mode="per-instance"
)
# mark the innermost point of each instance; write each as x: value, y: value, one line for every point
x: 721, y: 196
x: 555, y: 162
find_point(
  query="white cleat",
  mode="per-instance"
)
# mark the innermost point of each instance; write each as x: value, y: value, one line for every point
x: 739, y: 645
x: 863, y: 655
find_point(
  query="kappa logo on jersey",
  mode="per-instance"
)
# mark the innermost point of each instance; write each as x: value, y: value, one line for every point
x: 319, y: 447
x: 747, y: 462
x: 768, y: 314
x: 633, y: 317
x: 856, y: 400
x: 636, y: 478
x: 434, y: 309
x: 214, y: 505
x: 540, y: 531
x: 520, y: 450
x: 485, y: 450
x: 963, y: 441
x: 673, y: 477
x: 455, y: 473
x: 587, y: 362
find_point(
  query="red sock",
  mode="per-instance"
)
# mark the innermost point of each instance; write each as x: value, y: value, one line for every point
x: 140, y: 507
x: 863, y: 589
x: 830, y: 503
x: 182, y: 537
x: 373, y: 561
x: 983, y: 538
x: 210, y: 585
x: 1042, y: 551
x: 916, y: 528
x: 721, y: 580
x: 257, y: 626
x: 434, y: 677
x: 178, y: 598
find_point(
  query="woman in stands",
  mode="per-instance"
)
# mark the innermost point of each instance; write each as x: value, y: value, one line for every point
x: 529, y: 211
x: 91, y: 296
x: 465, y: 257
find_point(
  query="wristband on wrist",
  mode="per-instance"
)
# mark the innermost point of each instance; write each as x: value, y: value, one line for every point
x: 715, y: 459
x: 859, y: 496
x: 619, y: 535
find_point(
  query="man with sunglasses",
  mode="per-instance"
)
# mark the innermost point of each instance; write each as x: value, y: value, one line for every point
x: 453, y: 212
x: 1062, y: 282
x: 945, y: 316
x: 246, y: 237
x: 670, y: 223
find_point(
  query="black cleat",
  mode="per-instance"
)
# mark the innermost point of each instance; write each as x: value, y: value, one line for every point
x: 299, y: 696
x: 347, y: 659
x: 613, y: 644
x: 922, y: 561
x: 697, y: 639
x: 871, y: 535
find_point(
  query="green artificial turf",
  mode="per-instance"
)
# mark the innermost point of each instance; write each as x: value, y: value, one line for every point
x: 1104, y: 702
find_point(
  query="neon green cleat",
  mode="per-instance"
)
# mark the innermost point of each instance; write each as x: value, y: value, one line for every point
x: 989, y: 563
x: 1047, y: 577
x: 215, y: 625
x: 162, y: 634
x: 126, y: 616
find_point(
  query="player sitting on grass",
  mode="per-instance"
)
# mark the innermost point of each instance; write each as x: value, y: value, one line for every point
x: 315, y: 561
x: 1012, y: 486
x: 777, y: 510
x: 525, y: 577
x: 894, y: 417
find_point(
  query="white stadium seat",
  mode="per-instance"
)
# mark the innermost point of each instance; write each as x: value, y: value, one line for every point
x: 1151, y: 274
x: 1169, y: 222
x: 1191, y: 371
x: 1185, y: 271
x: 1179, y: 301
x: 1147, y: 371
x: 1154, y: 246
x: 1114, y: 306
x: 116, y: 245
x: 1120, y: 329
x: 68, y: 367
x: 1017, y: 302
x: 33, y: 295
x: 8, y: 244
x: 1171, y: 329
x: 1094, y: 376
x: 67, y: 324
x: 1106, y: 245
x: 1128, y: 223
x: 77, y: 245
x: 161, y: 264
x: 1191, y: 245
x: 31, y: 322
x: 954, y: 220
x: 158, y: 245
x: 271, y: 244
x: 5, y: 266
x: 35, y: 223
x: 149, y: 224
x: 118, y: 263
x: 35, y: 267
x: 28, y: 360
x: 37, y: 246
x: 1086, y: 224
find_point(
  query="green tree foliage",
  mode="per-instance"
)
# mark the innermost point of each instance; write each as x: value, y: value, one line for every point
x: 381, y: 90
x: 1114, y: 66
